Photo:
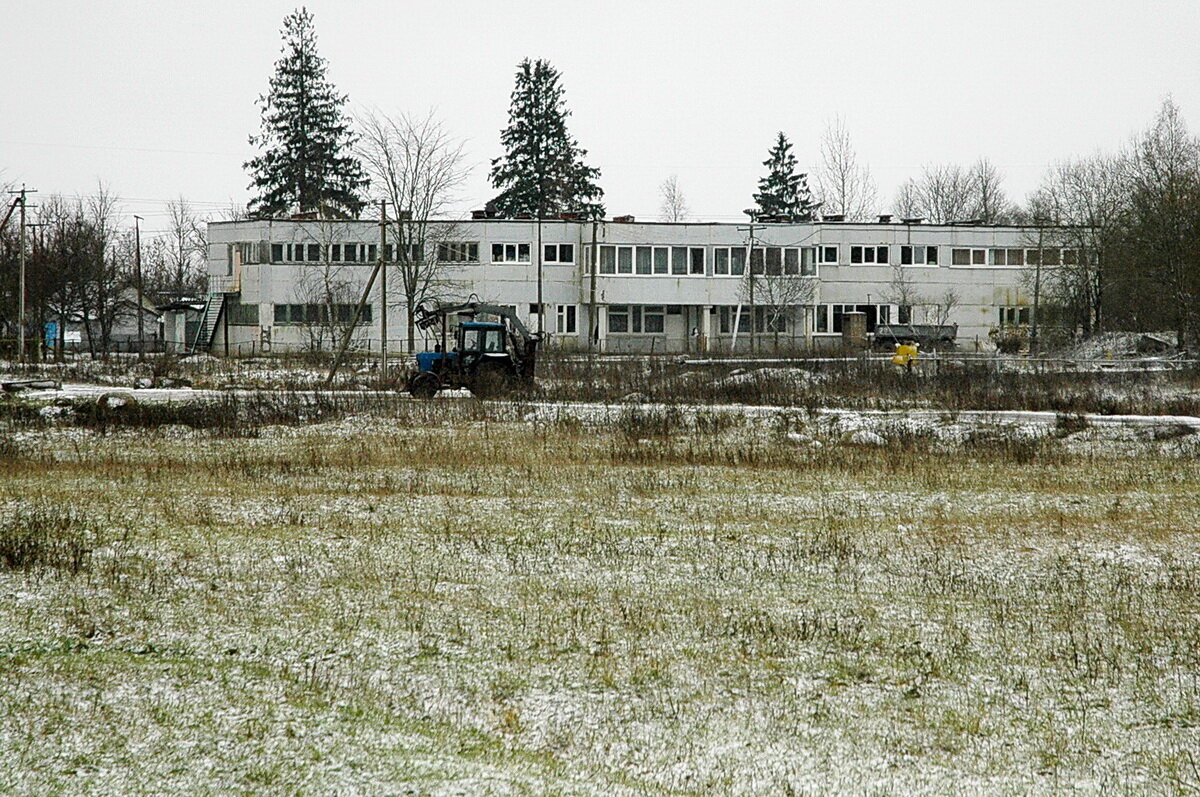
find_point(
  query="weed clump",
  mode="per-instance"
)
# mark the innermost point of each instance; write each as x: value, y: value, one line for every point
x: 43, y: 535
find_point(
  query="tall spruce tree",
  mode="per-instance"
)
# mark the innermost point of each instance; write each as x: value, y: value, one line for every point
x: 542, y: 172
x: 783, y: 192
x: 306, y: 163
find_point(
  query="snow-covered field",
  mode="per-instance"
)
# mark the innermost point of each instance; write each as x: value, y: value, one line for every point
x: 462, y: 598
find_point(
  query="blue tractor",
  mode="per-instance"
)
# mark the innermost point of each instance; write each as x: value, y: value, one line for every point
x: 489, y: 358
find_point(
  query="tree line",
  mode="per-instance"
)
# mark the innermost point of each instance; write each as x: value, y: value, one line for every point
x: 81, y: 265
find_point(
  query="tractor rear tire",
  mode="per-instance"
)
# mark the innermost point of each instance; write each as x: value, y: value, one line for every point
x: 424, y: 386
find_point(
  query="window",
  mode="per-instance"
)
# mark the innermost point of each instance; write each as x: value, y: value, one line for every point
x: 624, y: 259
x: 696, y: 259
x: 1051, y: 257
x: 1014, y: 316
x: 558, y: 253
x: 770, y: 319
x: 728, y: 319
x: 566, y: 320
x: 1016, y: 257
x: 645, y: 260
x: 458, y: 252
x: 648, y: 319
x: 868, y: 254
x: 679, y: 260
x: 828, y: 317
x: 654, y: 319
x: 997, y: 257
x: 608, y: 260
x: 618, y: 318
x: 918, y: 255
x: 316, y: 313
x: 729, y: 261
x: 510, y: 253
x: 242, y: 314
x: 774, y: 259
x: 968, y: 257
x: 276, y: 253
x: 827, y: 255
x: 661, y: 258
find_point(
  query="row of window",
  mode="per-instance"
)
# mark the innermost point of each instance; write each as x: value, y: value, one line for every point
x: 320, y: 313
x: 683, y: 260
x: 343, y: 253
x: 826, y: 318
x: 766, y: 319
x: 1015, y: 257
x: 691, y: 260
x: 633, y: 319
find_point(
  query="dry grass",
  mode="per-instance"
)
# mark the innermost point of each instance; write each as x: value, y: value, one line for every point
x: 454, y: 599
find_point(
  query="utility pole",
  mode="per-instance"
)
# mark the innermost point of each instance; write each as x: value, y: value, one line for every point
x: 750, y: 278
x: 540, y: 306
x: 1037, y: 288
x: 593, y: 320
x: 383, y: 309
x: 137, y: 259
x: 21, y: 279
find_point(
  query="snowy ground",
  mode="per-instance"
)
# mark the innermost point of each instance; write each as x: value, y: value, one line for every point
x: 601, y: 599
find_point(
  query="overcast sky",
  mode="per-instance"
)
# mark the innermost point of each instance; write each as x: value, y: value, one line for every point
x: 157, y: 99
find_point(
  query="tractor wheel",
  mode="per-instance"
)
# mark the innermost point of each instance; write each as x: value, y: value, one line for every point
x: 424, y: 386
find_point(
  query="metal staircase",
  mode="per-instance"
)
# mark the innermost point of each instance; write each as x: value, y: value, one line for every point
x: 208, y: 325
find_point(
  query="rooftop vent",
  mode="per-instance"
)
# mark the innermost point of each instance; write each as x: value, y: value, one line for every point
x: 623, y: 219
x: 885, y: 218
x: 914, y: 220
x: 967, y: 223
x: 572, y: 215
x: 834, y: 217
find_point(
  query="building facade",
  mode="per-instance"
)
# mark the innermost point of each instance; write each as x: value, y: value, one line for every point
x: 619, y: 285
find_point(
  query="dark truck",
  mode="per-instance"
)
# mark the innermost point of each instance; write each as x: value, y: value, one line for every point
x: 924, y: 335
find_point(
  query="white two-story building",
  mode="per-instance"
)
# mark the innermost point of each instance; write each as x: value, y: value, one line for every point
x: 286, y: 285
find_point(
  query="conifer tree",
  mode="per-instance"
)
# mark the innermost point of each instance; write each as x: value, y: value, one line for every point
x: 542, y: 172
x: 783, y: 192
x: 305, y: 163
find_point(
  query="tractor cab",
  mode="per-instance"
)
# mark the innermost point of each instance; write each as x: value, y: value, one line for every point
x: 480, y: 338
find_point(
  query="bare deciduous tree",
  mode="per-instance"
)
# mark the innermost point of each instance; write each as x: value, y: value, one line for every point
x: 674, y: 206
x: 1163, y: 230
x: 844, y: 185
x: 776, y: 292
x: 181, y: 253
x: 948, y: 193
x: 417, y: 166
x: 1086, y: 199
